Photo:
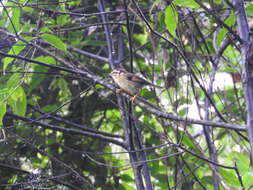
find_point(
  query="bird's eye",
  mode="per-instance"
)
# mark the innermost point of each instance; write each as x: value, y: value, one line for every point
x: 115, y: 72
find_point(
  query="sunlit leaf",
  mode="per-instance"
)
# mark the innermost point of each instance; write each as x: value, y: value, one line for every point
x: 18, y: 101
x: 171, y: 19
x: 247, y: 179
x: 230, y: 21
x: 230, y: 177
x: 14, y: 81
x: 141, y: 38
x: 3, y: 103
x: 14, y: 24
x: 186, y: 3
x: 54, y: 41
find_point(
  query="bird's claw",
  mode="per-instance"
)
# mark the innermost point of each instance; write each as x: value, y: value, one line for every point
x: 132, y: 99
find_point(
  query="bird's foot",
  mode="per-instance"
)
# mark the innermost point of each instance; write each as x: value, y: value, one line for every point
x: 132, y: 99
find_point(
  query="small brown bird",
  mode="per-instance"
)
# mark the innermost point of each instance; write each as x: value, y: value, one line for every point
x: 129, y: 82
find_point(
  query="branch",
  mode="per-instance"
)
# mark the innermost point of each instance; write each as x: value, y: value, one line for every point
x: 126, y: 119
x: 88, y: 54
x: 246, y: 49
x: 144, y: 104
x: 67, y: 122
x: 165, y: 115
x: 108, y: 35
x: 44, y: 178
x: 66, y: 130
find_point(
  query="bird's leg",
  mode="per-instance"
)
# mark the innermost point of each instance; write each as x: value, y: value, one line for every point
x: 132, y: 99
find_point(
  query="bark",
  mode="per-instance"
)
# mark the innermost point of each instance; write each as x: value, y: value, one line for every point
x: 246, y: 50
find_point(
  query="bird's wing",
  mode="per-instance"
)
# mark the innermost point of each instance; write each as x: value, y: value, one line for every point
x: 135, y: 78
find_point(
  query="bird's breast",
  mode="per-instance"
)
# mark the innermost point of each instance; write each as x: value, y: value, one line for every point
x: 129, y: 86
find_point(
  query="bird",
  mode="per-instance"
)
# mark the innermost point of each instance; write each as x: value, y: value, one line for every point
x: 129, y: 82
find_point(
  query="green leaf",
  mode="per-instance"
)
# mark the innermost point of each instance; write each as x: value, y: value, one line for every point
x: 207, y: 179
x: 186, y: 3
x: 41, y: 161
x: 247, y: 179
x: 49, y: 108
x: 230, y: 21
x: 243, y: 166
x: 14, y: 81
x: 51, y: 141
x: 171, y: 19
x: 94, y: 43
x: 13, y: 179
x: 187, y: 141
x: 54, y: 41
x: 74, y: 2
x: 62, y: 20
x: 221, y: 35
x: 3, y: 102
x: 45, y: 29
x: 242, y: 161
x: 229, y: 69
x: 183, y: 112
x: 15, y: 50
x: 48, y: 59
x: 141, y: 38
x: 99, y: 86
x: 126, y: 178
x: 18, y: 101
x: 233, y: 54
x: 249, y: 8
x: 230, y: 177
x: 2, y: 111
x: 125, y: 186
x: 14, y: 24
x: 40, y: 68
x: 23, y: 1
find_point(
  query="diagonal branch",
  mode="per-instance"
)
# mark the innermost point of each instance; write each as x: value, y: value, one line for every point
x: 67, y: 130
